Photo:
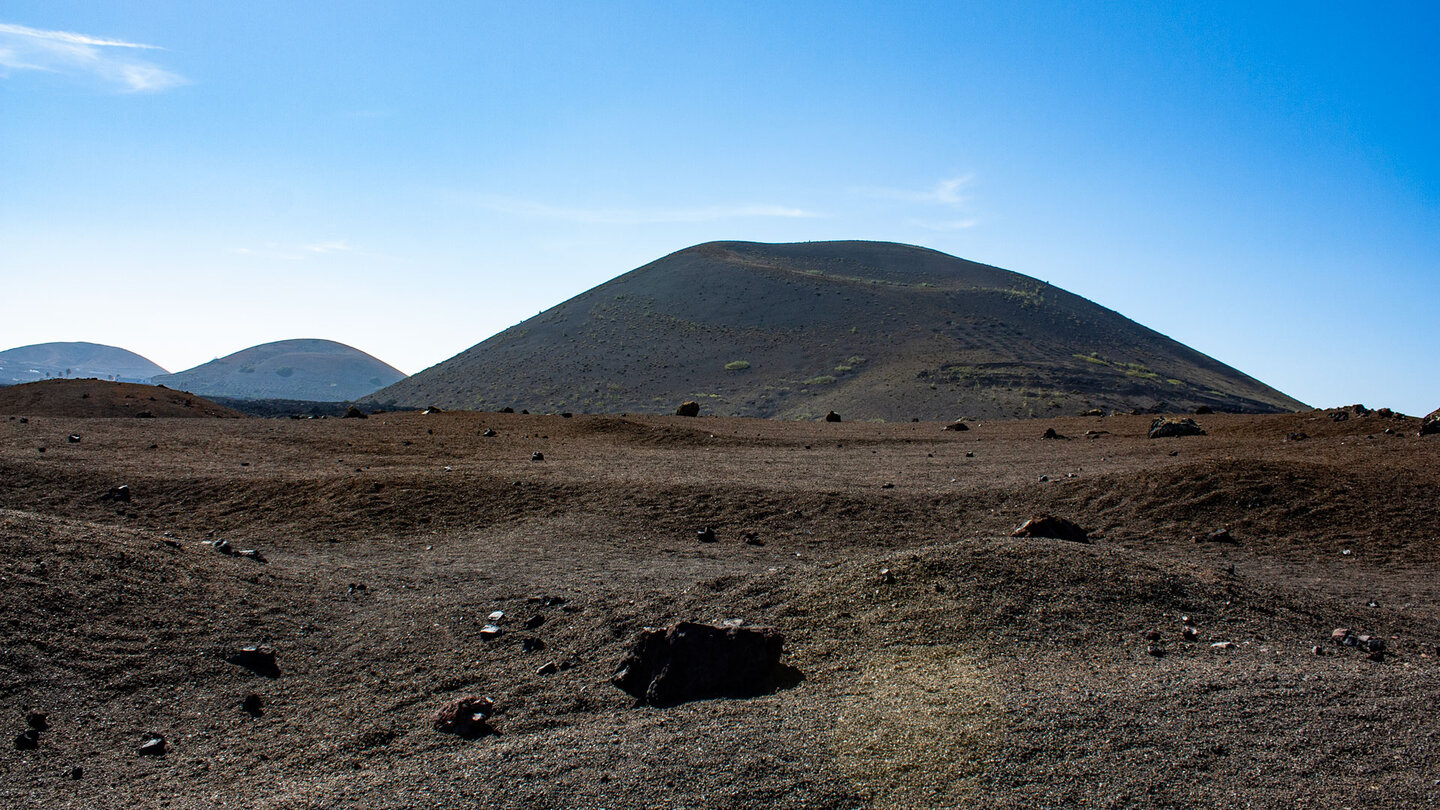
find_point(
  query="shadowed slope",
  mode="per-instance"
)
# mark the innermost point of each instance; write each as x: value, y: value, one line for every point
x: 874, y: 330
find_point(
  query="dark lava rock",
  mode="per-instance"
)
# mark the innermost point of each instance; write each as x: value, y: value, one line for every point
x: 537, y: 456
x: 119, y: 494
x: 690, y: 408
x: 549, y: 668
x: 1218, y: 536
x: 153, y: 747
x: 37, y: 720
x: 432, y: 409
x: 1094, y: 412
x: 353, y: 412
x: 752, y: 539
x: 488, y: 433
x: 534, y: 621
x: 468, y: 717
x: 1340, y: 416
x: 73, y: 438
x: 144, y: 415
x: 258, y: 658
x: 689, y: 661
x: 28, y: 740
x: 507, y: 409
x: 251, y: 554
x: 1051, y: 526
x: 956, y: 425
x: 76, y: 772
x: 253, y: 705
x: 832, y: 417
x: 532, y: 644
x: 705, y: 535
x: 1203, y: 410
x: 1050, y: 433
x: 1296, y: 436
x: 1431, y: 424
x: 1162, y: 428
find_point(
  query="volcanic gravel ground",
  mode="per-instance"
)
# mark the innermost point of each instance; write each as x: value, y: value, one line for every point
x: 980, y: 671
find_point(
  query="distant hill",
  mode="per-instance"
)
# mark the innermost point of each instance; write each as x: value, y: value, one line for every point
x: 874, y: 330
x: 44, y: 361
x: 103, y: 399
x: 316, y: 370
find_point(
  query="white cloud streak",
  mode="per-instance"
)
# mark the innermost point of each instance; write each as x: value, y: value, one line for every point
x: 25, y: 49
x: 294, y: 253
x: 635, y: 216
x: 947, y: 193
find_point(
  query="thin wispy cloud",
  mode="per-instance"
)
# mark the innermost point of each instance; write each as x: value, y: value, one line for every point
x: 947, y: 194
x: 111, y: 61
x: 294, y: 253
x: 635, y: 216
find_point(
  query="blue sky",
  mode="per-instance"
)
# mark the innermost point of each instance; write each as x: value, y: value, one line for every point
x: 1259, y: 181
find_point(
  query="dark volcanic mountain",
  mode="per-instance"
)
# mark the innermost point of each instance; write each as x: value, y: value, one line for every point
x: 316, y: 370
x: 874, y: 330
x: 43, y: 361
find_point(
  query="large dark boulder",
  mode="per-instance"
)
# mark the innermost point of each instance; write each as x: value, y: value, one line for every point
x: 690, y: 661
x: 689, y: 408
x: 1162, y: 428
x: 1431, y: 424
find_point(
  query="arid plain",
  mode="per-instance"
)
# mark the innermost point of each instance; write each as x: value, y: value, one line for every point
x: 979, y: 670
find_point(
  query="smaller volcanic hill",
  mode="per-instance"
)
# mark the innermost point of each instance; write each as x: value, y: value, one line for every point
x: 314, y: 370
x: 43, y: 361
x: 873, y: 330
x: 87, y: 399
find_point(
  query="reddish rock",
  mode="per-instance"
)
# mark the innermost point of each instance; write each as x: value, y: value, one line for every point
x: 1050, y: 526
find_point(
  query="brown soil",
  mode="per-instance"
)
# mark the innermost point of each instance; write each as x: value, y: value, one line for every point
x: 991, y: 671
x: 101, y: 399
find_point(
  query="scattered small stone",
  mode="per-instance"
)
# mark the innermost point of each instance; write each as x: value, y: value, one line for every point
x: 223, y: 547
x: 886, y: 577
x: 37, y: 720
x: 73, y: 438
x: 253, y: 705
x: 490, y: 631
x: 488, y: 433
x: 120, y: 494
x: 1162, y: 428
x: 1094, y: 412
x: 1051, y: 433
x: 1317, y: 650
x: 1296, y: 436
x: 832, y: 417
x: 1203, y: 410
x: 752, y: 539
x: 357, y: 587
x: 956, y: 425
x: 705, y: 534
x: 534, y: 621
x: 548, y: 668
x: 76, y: 772
x: 1222, y: 645
x: 566, y: 415
x: 353, y: 412
x: 144, y: 415
x: 1372, y: 604
x: 532, y: 644
x: 969, y: 455
x: 537, y: 456
x: 258, y: 658
x: 153, y: 747
x: 1057, y: 528
x: 251, y: 554
x: 887, y: 485
x: 468, y: 717
x: 688, y: 408
x: 432, y: 409
x: 507, y: 409
x: 1155, y: 650
x: 496, y: 615
x: 1153, y: 635
x: 1044, y: 478
x: 1339, y: 416
x: 1189, y: 633
x: 28, y: 740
